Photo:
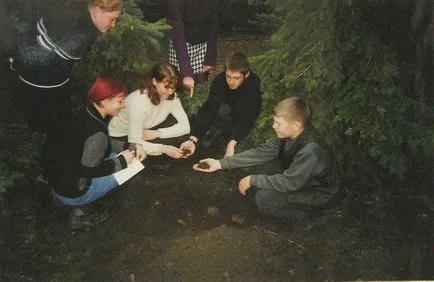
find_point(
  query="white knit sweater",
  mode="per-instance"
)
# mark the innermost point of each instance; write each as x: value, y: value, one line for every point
x: 139, y: 114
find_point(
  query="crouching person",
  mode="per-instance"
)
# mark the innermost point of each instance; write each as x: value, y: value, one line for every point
x: 295, y: 173
x: 82, y: 166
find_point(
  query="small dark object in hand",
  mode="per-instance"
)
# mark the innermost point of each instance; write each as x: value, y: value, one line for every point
x: 203, y: 165
x: 186, y: 152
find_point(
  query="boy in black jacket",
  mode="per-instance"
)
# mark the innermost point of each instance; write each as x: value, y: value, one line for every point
x: 238, y: 90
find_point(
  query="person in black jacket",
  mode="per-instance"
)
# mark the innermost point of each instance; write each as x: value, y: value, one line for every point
x: 296, y: 173
x: 44, y: 58
x: 81, y: 164
x: 46, y: 54
x: 237, y: 91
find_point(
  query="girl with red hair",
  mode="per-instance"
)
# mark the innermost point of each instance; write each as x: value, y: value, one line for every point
x: 82, y: 168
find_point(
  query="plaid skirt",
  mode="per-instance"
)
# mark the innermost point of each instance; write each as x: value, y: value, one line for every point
x: 196, y: 53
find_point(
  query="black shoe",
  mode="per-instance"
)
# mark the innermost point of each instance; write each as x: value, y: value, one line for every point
x: 85, y: 217
x: 42, y: 191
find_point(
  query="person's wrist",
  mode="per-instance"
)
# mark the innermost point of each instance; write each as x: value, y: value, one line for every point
x: 233, y: 143
x: 193, y: 139
x: 163, y: 149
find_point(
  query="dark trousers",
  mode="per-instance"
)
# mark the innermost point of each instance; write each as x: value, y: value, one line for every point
x: 46, y: 110
x: 276, y: 203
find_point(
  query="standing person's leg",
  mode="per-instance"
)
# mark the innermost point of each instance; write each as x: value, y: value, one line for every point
x: 46, y: 109
x: 56, y: 110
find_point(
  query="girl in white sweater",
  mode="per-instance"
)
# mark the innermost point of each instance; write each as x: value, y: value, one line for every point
x: 146, y: 108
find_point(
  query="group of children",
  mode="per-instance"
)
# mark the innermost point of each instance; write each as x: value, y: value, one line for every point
x: 295, y: 173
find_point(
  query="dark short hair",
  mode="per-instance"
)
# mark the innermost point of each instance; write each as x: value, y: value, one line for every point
x: 162, y: 72
x: 105, y: 88
x: 237, y: 61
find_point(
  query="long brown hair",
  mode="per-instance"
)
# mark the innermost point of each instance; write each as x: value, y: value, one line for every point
x: 162, y: 72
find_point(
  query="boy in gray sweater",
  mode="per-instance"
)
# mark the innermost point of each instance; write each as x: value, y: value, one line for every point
x: 295, y: 173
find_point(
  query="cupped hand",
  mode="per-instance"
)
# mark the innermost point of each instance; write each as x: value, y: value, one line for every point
x: 172, y: 151
x: 213, y: 164
x: 188, y: 146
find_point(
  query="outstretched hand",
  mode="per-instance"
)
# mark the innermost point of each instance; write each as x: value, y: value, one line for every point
x: 207, y: 165
x: 172, y: 151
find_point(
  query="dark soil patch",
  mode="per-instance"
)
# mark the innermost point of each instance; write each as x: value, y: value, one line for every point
x: 178, y: 224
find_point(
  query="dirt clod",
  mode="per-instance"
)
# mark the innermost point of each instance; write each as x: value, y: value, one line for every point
x: 203, y: 165
x: 186, y: 152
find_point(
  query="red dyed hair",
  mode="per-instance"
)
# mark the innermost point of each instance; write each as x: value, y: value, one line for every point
x: 105, y: 88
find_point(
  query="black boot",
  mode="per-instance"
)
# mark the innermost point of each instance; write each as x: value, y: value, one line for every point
x: 87, y: 216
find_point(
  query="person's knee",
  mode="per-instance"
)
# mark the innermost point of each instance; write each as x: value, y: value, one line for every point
x: 267, y: 200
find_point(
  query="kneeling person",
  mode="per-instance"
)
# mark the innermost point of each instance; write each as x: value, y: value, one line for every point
x: 147, y: 108
x: 295, y: 173
x: 235, y: 94
x: 82, y: 166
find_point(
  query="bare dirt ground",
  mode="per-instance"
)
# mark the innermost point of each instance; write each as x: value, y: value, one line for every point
x: 176, y: 224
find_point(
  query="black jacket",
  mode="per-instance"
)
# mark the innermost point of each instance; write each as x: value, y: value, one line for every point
x: 82, y: 154
x: 245, y: 103
x: 46, y: 53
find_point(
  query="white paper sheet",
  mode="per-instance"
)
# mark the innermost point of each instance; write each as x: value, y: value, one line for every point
x: 133, y: 168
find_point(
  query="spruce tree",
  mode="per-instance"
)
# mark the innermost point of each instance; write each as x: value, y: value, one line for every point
x: 353, y: 61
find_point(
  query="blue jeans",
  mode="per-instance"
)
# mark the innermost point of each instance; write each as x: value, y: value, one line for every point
x: 99, y: 187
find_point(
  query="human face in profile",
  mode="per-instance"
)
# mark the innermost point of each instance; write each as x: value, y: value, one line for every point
x: 285, y: 128
x: 104, y: 20
x: 112, y: 106
x: 234, y: 78
x: 164, y: 88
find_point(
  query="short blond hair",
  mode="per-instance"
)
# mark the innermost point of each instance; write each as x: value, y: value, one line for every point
x: 293, y: 109
x: 107, y: 5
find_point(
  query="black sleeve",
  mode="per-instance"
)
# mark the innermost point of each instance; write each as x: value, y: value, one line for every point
x: 207, y: 113
x: 94, y: 162
x: 247, y: 110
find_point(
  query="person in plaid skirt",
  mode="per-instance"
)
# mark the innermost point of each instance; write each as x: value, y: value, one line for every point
x: 193, y: 39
